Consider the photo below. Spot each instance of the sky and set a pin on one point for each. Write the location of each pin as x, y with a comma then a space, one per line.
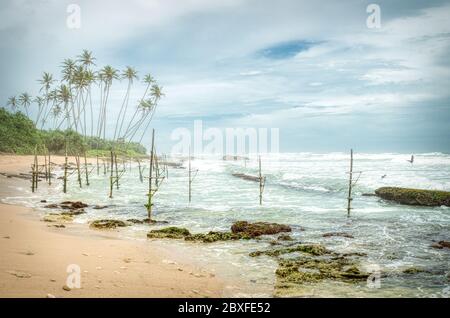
313, 69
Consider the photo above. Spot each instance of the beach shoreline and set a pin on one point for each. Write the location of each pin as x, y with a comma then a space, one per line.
36, 256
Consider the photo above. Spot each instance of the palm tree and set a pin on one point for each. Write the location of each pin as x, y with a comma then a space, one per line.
86, 59
40, 101
25, 101
12, 101
130, 74
68, 66
64, 97
46, 81
107, 75
149, 80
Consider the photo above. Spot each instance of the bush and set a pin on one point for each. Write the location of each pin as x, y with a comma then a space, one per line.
19, 135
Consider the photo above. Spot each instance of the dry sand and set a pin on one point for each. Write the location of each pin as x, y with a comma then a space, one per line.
34, 257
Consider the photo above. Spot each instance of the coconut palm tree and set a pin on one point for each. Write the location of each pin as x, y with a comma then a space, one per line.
46, 81
149, 80
68, 68
12, 101
86, 59
130, 74
25, 101
107, 74
64, 97
40, 101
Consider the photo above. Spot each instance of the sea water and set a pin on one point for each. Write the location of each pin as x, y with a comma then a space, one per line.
305, 190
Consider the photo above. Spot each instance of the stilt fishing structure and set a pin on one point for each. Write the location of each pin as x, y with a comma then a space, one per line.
191, 176
349, 198
155, 178
262, 181
351, 183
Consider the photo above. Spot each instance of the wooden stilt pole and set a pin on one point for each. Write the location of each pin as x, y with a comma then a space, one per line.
49, 168
140, 171
86, 168
261, 182
36, 169
98, 167
349, 199
111, 177
77, 159
65, 170
117, 171
150, 192
45, 165
190, 178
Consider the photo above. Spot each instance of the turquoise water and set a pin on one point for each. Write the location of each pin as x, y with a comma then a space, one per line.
307, 191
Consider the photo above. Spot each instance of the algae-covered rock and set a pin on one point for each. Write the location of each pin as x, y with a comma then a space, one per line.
414, 196
413, 270
58, 218
107, 224
212, 236
259, 228
341, 234
312, 249
73, 205
146, 221
169, 232
441, 244
285, 237
309, 270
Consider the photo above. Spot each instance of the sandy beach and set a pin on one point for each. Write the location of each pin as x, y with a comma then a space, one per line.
35, 256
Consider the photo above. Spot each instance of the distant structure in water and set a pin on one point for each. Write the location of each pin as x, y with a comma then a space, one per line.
411, 161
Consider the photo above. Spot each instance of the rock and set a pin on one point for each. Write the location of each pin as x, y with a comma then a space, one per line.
342, 234
107, 224
57, 218
51, 206
285, 237
100, 207
259, 228
413, 270
441, 244
212, 236
369, 195
66, 288
146, 221
50, 296
43, 201
246, 177
169, 232
19, 274
414, 196
73, 212
312, 249
6, 237
73, 205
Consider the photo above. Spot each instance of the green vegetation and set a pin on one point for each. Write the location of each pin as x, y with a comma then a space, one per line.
414, 196
19, 135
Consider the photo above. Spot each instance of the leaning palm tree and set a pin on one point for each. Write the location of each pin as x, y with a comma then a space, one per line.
149, 80
130, 74
46, 81
25, 101
40, 101
12, 101
107, 75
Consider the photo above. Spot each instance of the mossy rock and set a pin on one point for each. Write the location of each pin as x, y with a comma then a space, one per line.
312, 249
107, 224
171, 232
413, 270
212, 236
259, 228
310, 270
59, 218
285, 237
414, 196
